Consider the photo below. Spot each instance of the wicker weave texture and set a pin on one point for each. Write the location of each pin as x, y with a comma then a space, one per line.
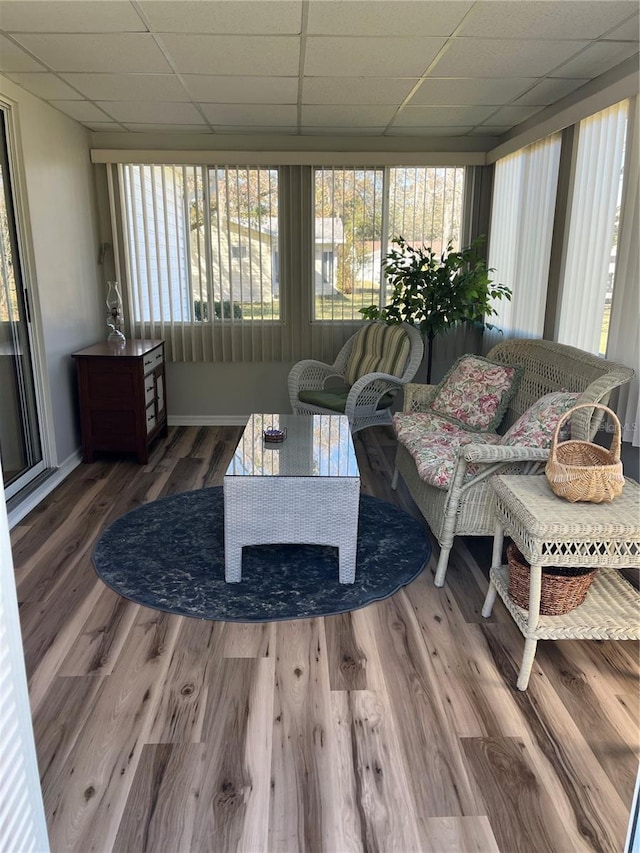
561, 591
609, 612
465, 508
314, 510
552, 532
582, 470
365, 394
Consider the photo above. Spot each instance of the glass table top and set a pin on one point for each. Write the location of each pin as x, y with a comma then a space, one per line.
315, 446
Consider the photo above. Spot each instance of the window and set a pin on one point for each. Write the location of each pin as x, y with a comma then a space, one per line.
358, 212
201, 243
589, 258
522, 216
207, 267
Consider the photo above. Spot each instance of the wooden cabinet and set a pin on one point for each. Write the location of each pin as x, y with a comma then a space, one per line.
123, 401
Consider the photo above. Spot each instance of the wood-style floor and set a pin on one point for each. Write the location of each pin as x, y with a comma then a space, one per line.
393, 728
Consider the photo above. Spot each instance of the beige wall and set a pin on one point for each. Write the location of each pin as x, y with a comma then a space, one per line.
53, 152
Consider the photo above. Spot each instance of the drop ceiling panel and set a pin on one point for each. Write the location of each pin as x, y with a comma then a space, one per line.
492, 90
152, 111
115, 52
369, 57
12, 58
427, 130
356, 90
627, 31
489, 130
543, 19
441, 116
81, 110
343, 116
61, 16
139, 127
105, 126
598, 58
341, 131
549, 90
511, 115
384, 17
245, 55
503, 57
255, 129
321, 67
45, 86
250, 114
130, 87
241, 89
221, 16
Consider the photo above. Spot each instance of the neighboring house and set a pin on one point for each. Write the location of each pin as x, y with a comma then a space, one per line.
329, 235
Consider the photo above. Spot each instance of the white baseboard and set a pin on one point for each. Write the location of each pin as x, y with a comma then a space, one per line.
207, 420
49, 482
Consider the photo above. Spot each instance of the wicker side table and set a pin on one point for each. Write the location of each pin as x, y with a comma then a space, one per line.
550, 531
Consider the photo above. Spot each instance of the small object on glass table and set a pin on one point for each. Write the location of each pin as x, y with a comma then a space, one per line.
273, 435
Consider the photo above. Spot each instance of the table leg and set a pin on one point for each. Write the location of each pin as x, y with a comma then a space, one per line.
232, 562
347, 563
496, 561
530, 645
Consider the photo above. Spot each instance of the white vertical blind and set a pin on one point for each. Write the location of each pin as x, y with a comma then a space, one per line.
596, 184
201, 258
624, 330
522, 214
22, 822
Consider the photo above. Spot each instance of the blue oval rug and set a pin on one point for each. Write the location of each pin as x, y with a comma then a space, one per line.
169, 555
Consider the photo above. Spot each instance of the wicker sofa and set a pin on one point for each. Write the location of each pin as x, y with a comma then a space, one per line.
463, 507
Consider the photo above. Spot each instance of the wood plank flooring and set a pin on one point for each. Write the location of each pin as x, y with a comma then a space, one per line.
391, 729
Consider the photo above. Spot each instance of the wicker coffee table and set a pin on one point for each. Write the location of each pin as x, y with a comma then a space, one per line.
550, 531
303, 490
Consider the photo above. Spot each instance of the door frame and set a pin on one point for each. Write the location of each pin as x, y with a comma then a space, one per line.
26, 263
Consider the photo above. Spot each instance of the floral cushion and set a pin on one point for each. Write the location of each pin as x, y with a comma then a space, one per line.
433, 443
476, 392
536, 426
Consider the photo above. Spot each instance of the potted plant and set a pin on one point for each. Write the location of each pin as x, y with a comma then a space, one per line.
438, 292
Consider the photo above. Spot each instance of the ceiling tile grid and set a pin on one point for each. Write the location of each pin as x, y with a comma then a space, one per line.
311, 67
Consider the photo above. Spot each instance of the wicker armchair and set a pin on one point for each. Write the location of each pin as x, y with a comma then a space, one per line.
464, 508
361, 383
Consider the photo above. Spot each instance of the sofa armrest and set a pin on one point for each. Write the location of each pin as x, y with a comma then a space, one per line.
492, 453
417, 397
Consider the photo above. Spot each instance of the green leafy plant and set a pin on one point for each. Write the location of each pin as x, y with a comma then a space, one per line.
435, 292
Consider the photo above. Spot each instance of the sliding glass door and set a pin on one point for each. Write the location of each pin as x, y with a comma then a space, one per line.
20, 442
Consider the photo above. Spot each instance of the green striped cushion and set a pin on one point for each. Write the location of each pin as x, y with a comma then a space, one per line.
378, 348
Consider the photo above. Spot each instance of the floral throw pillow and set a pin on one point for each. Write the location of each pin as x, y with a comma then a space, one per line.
536, 426
476, 392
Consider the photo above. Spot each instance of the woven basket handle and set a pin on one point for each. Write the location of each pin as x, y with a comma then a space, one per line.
615, 441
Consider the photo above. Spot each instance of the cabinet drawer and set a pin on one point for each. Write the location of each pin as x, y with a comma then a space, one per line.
153, 359
150, 415
149, 389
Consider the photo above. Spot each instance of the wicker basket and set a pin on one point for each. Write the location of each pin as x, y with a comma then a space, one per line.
562, 589
582, 470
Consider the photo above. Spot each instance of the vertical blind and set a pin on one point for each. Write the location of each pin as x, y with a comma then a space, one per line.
522, 216
259, 264
624, 330
592, 226
201, 257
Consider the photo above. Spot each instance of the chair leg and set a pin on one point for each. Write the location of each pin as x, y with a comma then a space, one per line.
443, 563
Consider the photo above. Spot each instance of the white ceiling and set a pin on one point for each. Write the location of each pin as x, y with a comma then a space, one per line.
308, 67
